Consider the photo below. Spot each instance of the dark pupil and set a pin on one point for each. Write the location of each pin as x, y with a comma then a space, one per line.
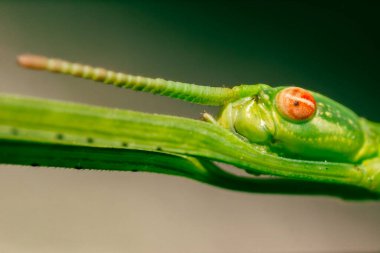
296, 103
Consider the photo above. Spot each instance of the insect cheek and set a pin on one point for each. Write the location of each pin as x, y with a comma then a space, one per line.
296, 104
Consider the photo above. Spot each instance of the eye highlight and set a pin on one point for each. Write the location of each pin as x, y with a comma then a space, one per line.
296, 103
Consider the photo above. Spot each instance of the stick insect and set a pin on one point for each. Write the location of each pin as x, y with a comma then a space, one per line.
308, 143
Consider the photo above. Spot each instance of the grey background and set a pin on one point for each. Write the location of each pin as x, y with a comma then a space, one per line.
328, 47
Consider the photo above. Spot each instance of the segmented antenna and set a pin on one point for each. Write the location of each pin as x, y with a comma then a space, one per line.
205, 95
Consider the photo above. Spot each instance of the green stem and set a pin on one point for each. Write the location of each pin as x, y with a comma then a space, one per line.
78, 157
51, 122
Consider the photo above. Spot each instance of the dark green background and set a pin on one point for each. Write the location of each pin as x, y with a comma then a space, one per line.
328, 46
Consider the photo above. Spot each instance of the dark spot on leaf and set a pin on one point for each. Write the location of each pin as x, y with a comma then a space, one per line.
14, 131
90, 140
124, 144
159, 149
59, 136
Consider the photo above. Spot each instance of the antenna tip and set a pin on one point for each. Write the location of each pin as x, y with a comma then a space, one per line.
32, 61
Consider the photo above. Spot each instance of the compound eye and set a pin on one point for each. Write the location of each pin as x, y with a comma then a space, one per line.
296, 103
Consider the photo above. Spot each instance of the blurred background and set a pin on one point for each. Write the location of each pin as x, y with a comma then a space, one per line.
328, 46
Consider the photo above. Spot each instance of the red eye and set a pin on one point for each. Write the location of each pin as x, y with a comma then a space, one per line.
296, 103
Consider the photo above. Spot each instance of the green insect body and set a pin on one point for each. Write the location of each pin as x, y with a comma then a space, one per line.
334, 133
283, 131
